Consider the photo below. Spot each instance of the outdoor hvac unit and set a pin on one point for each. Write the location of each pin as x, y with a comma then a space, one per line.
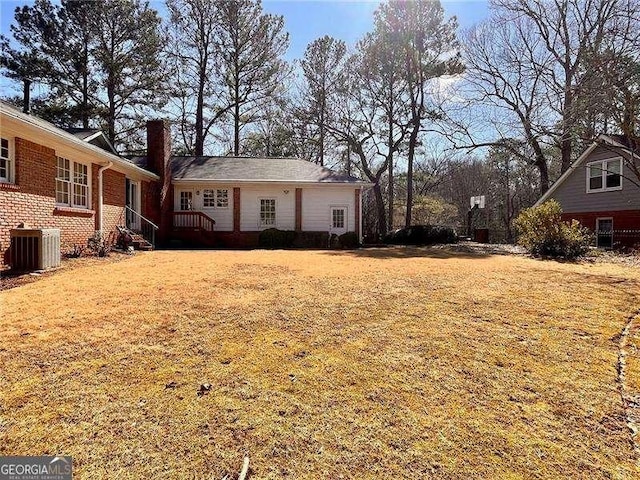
35, 249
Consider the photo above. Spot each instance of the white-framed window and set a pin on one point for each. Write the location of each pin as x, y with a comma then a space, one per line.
72, 183
186, 200
604, 175
6, 160
267, 212
215, 198
222, 198
208, 198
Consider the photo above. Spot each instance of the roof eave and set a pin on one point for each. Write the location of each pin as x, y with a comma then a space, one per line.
274, 181
73, 140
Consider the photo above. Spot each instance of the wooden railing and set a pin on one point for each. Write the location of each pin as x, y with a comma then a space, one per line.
193, 220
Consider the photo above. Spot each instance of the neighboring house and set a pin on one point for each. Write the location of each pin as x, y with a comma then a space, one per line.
244, 196
602, 192
74, 181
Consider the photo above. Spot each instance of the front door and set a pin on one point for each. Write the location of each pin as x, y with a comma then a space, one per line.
339, 220
604, 233
133, 202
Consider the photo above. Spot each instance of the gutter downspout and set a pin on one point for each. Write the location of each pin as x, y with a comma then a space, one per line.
360, 216
101, 194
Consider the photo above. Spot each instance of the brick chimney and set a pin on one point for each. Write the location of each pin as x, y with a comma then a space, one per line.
159, 162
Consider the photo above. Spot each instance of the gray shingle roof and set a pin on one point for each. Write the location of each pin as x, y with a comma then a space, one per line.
246, 169
82, 133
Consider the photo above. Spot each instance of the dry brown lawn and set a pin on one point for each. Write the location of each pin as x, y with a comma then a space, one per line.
398, 363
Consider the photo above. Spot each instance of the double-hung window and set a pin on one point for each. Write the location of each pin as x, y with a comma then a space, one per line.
72, 183
605, 175
5, 161
267, 212
216, 198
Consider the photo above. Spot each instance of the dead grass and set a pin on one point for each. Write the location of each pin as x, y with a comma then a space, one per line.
391, 363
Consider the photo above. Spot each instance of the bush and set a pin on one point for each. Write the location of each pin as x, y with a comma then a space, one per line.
421, 235
542, 232
311, 240
349, 240
274, 238
99, 245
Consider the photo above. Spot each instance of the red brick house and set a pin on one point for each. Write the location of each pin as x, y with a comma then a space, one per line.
74, 181
52, 178
602, 191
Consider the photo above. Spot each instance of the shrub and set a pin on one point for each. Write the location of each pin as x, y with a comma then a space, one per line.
311, 240
75, 252
349, 240
421, 235
542, 232
274, 238
99, 245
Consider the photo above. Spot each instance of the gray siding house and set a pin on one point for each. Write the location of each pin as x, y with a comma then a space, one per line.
602, 192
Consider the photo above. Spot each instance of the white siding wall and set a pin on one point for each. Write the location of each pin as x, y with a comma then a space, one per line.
222, 216
317, 203
250, 196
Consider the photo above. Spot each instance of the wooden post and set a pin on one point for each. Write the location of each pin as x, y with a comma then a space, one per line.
298, 209
236, 209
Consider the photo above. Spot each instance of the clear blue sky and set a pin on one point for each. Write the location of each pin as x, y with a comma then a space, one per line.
307, 20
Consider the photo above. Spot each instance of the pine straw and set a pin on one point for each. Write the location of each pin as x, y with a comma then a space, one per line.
391, 363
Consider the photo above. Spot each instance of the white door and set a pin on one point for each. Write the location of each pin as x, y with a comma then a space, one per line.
133, 202
339, 220
604, 232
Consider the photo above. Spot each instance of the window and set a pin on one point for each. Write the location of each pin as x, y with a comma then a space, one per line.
604, 176
209, 198
72, 183
222, 198
80, 185
5, 160
267, 212
337, 218
186, 200
216, 198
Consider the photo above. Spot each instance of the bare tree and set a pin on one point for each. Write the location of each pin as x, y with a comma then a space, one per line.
193, 51
323, 71
427, 44
372, 118
250, 45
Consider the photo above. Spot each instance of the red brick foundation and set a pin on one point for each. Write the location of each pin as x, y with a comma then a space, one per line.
623, 220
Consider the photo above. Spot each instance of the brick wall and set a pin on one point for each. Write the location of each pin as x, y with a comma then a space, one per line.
32, 199
622, 220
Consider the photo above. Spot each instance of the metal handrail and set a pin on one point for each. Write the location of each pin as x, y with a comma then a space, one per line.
149, 234
142, 218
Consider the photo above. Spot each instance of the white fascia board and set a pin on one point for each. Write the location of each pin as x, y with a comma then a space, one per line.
270, 182
40, 125
566, 174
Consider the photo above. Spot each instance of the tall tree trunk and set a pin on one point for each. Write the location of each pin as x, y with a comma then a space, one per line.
199, 143
541, 164
382, 219
236, 107
322, 117
413, 140
390, 156
85, 86
567, 123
